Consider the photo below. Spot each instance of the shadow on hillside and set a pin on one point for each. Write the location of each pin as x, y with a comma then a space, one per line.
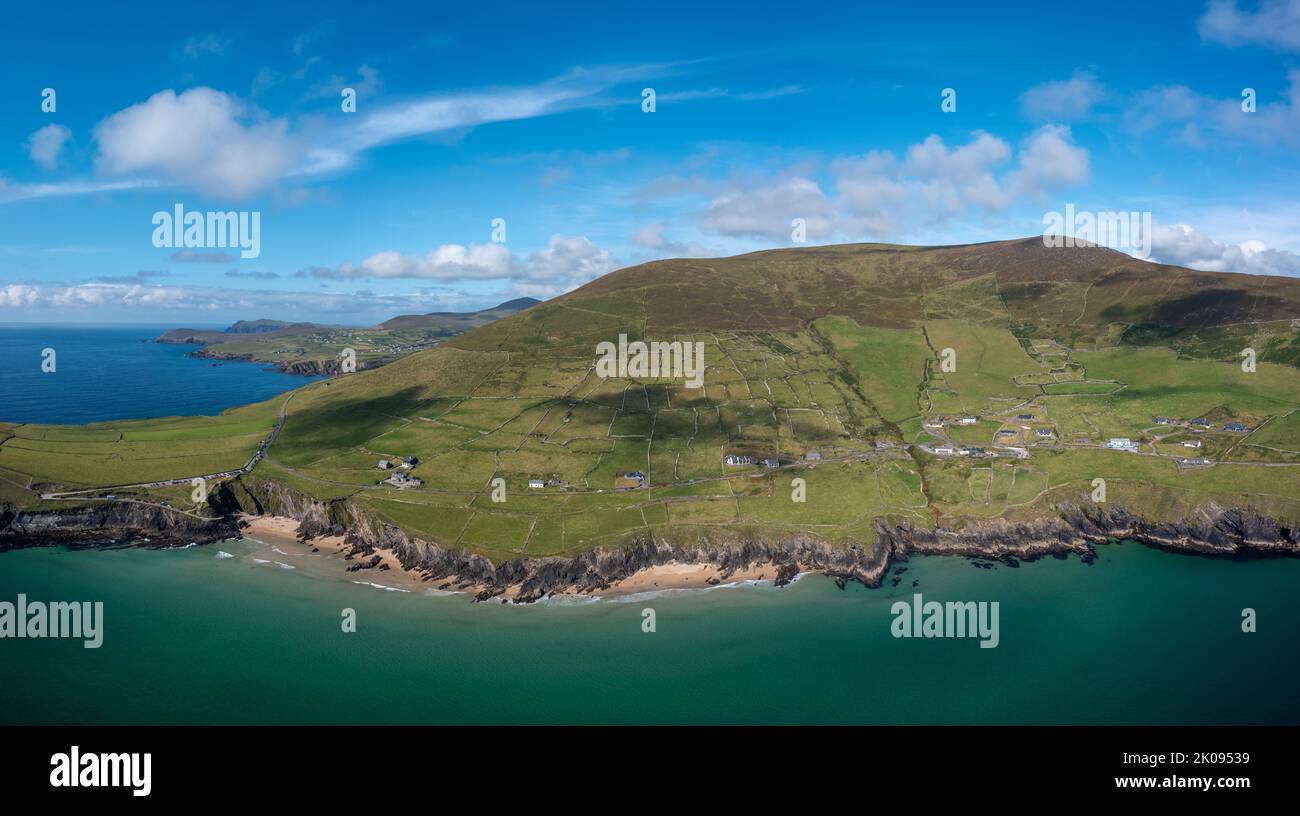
344, 422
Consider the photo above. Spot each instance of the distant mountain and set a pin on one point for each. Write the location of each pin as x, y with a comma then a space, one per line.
260, 326
461, 321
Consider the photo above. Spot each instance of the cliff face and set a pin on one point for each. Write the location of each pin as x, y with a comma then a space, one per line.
163, 527
1219, 531
310, 368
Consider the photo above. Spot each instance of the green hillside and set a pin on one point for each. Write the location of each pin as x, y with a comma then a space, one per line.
828, 359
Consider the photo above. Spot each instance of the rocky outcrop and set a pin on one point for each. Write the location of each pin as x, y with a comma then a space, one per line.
308, 368
134, 522
1216, 531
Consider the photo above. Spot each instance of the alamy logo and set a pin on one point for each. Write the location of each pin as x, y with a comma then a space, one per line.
1127, 231
675, 360
210, 230
90, 770
954, 619
60, 619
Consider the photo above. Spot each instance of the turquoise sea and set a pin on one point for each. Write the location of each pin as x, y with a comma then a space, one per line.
194, 636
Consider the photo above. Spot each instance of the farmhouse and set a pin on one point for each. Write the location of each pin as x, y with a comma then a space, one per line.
1045, 433
536, 484
1236, 427
410, 461
945, 450
630, 479
812, 456
403, 480
1192, 443
737, 459
1200, 423
967, 420
771, 463
1025, 417
1162, 420
1121, 443
384, 464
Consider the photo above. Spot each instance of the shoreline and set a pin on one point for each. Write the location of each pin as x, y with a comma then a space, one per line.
671, 577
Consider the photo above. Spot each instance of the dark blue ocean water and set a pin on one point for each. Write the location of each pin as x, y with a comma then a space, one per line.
118, 372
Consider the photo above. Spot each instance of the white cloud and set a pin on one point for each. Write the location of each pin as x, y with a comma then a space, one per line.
563, 263
1187, 117
201, 138
1183, 245
567, 261
46, 145
18, 295
766, 211
1063, 100
880, 195
1274, 24
449, 261
1049, 160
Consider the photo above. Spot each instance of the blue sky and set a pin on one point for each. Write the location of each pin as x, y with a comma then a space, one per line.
471, 112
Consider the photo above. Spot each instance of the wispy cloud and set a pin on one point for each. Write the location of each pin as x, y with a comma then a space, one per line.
19, 192
1273, 24
440, 113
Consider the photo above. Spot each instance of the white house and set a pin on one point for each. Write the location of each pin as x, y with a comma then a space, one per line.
536, 484
1121, 443
1192, 443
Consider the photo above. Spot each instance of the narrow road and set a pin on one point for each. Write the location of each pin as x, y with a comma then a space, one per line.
71, 495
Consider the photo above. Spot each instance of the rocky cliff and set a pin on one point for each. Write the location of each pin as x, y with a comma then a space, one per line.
311, 368
135, 522
1217, 531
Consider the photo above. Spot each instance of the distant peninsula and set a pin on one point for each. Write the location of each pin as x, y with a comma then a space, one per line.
314, 349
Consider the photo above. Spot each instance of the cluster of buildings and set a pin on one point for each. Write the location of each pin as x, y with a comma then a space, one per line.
554, 481
1201, 424
937, 423
964, 450
401, 479
740, 459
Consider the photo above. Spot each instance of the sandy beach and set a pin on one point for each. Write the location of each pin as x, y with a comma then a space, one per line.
282, 532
